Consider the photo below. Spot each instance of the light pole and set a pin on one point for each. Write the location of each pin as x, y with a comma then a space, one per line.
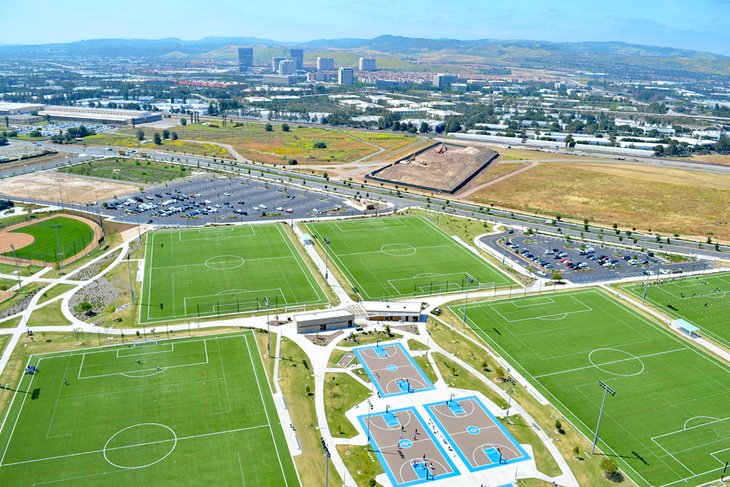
58, 243
17, 267
509, 397
606, 389
469, 280
131, 286
326, 463
326, 257
370, 407
268, 327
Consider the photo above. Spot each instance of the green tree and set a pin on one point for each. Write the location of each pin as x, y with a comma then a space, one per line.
284, 127
424, 128
659, 150
165, 134
140, 134
84, 307
173, 136
268, 127
3, 140
183, 121
723, 145
157, 139
320, 145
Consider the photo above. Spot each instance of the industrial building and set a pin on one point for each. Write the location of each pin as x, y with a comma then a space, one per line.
245, 59
393, 311
324, 321
287, 66
325, 64
297, 54
99, 115
443, 81
345, 76
368, 64
10, 108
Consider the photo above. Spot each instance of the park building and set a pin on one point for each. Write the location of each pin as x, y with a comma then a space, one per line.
324, 321
368, 64
407, 311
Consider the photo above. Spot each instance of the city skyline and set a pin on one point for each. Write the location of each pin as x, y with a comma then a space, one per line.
702, 25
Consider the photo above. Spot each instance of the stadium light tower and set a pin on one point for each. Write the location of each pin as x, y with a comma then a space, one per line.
469, 280
58, 243
17, 267
326, 463
268, 327
326, 256
606, 389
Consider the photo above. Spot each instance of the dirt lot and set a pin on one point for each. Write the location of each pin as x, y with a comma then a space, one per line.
75, 189
442, 167
660, 199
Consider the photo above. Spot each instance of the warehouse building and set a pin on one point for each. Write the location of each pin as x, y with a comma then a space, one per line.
99, 115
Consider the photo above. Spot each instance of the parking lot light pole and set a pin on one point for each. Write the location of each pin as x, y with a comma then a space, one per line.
606, 389
469, 280
326, 257
268, 327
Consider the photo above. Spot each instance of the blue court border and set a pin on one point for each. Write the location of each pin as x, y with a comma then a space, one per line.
363, 423
429, 384
448, 436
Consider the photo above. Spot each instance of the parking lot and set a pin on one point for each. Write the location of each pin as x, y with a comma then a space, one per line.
212, 198
583, 263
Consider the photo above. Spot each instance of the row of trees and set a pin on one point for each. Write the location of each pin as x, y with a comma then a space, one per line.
156, 137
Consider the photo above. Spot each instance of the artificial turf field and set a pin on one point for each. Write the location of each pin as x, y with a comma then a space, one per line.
205, 417
702, 300
224, 270
669, 422
398, 257
74, 236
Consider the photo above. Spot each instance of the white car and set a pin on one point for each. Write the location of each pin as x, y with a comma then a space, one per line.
279, 208
226, 193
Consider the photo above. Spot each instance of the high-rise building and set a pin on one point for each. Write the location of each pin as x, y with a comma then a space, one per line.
325, 64
245, 59
287, 66
275, 63
443, 81
345, 76
297, 54
367, 64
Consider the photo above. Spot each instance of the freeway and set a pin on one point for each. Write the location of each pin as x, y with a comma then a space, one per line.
404, 199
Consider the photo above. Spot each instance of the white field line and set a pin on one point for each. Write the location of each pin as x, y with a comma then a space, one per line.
609, 363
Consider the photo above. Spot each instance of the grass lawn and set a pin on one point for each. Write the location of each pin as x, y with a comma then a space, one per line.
664, 425
457, 376
222, 271
178, 146
252, 141
24, 270
55, 291
4, 340
361, 463
524, 434
410, 257
704, 301
129, 170
341, 393
73, 237
148, 435
425, 364
665, 200
48, 315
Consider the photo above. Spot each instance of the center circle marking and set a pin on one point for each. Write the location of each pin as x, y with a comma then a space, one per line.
133, 467
391, 368
616, 357
473, 430
405, 443
398, 250
224, 262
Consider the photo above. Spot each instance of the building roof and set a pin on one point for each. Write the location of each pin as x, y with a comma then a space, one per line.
686, 325
328, 314
391, 307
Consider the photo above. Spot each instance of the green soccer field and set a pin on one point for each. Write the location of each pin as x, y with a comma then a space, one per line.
702, 300
401, 257
224, 270
73, 236
180, 412
669, 422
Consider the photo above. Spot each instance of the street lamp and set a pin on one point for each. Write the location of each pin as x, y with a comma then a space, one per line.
606, 389
326, 463
131, 285
58, 243
509, 398
469, 280
17, 267
370, 407
326, 256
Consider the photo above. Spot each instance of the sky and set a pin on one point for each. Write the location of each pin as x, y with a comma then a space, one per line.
691, 24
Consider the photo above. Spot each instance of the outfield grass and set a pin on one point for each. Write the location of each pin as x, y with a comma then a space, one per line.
703, 301
191, 411
222, 271
667, 424
129, 170
399, 257
73, 237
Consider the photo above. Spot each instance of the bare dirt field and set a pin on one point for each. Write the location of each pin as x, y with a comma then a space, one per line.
443, 167
70, 188
723, 159
14, 241
666, 200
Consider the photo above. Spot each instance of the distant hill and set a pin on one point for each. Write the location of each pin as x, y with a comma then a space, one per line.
409, 53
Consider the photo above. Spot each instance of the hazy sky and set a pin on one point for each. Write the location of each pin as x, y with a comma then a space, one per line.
695, 24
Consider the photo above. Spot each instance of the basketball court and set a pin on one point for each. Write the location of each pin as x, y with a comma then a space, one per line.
392, 370
475, 434
406, 447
